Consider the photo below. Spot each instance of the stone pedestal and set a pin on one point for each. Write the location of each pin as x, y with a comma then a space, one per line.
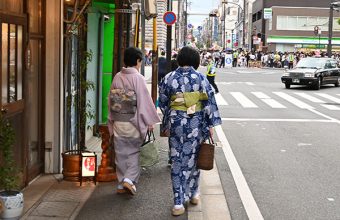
106, 172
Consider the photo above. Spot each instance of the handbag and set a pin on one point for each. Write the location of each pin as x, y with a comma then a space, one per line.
162, 132
149, 151
205, 160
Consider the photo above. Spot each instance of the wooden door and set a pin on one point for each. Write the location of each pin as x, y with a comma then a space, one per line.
12, 102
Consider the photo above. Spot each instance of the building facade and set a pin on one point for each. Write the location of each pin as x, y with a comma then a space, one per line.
292, 24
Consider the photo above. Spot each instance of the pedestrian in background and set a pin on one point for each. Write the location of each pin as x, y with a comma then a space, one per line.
131, 114
211, 73
162, 66
189, 113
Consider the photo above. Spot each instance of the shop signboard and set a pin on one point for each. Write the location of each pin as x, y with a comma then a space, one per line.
268, 13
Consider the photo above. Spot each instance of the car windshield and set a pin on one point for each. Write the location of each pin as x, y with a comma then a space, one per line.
311, 63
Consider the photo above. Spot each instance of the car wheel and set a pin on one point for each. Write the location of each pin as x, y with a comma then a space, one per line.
287, 85
337, 84
317, 85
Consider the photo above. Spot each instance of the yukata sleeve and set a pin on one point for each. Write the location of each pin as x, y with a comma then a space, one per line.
109, 118
164, 103
212, 114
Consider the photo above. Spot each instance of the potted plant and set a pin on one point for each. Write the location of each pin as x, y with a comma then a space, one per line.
11, 200
79, 109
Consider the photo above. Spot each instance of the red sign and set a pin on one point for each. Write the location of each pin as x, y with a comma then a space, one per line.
169, 18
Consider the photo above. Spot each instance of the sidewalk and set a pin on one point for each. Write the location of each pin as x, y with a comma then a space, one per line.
49, 197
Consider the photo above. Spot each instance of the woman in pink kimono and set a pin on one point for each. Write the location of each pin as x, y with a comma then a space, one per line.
132, 114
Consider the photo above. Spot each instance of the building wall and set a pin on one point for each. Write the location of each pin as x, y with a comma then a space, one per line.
297, 3
52, 84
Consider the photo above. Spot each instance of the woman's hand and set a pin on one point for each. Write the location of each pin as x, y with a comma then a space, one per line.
211, 130
150, 128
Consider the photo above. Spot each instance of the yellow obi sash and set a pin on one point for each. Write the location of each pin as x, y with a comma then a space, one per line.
188, 101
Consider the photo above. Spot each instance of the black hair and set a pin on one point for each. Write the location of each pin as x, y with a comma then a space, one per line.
163, 53
188, 56
131, 56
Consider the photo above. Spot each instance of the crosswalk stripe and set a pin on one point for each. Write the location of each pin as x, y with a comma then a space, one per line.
309, 97
250, 84
331, 107
220, 100
269, 101
243, 100
293, 100
261, 95
329, 97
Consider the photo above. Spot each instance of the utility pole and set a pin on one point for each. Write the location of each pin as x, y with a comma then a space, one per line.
186, 23
330, 30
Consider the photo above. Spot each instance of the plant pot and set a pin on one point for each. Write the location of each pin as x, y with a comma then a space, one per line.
13, 204
71, 165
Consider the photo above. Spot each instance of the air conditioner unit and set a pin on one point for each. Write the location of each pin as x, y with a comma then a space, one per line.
150, 9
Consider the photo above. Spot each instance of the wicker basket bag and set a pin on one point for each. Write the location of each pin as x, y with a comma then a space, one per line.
205, 160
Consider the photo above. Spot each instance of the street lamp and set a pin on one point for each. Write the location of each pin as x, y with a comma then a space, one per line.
330, 26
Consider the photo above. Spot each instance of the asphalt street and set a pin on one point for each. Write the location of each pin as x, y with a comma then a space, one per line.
280, 151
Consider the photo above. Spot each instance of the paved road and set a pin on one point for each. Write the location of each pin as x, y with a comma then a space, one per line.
281, 147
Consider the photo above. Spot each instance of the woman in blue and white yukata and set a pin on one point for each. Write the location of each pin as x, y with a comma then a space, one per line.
189, 112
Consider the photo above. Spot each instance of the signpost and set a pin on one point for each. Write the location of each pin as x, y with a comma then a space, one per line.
229, 60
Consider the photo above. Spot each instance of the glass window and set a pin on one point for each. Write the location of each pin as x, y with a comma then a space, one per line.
281, 23
292, 23
19, 63
12, 63
4, 63
302, 23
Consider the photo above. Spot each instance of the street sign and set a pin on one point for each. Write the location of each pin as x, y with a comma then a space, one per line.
190, 26
268, 13
169, 18
200, 28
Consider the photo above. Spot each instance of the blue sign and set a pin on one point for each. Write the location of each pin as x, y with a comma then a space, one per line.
200, 28
169, 18
190, 26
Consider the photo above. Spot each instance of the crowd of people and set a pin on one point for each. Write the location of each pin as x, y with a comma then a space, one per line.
260, 59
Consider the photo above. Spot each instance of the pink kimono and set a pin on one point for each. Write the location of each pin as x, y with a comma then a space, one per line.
129, 131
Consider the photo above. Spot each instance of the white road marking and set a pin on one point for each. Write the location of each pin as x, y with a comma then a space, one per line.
261, 95
269, 101
220, 100
243, 100
329, 97
330, 120
304, 144
309, 97
246, 195
293, 100
229, 83
331, 199
325, 116
331, 107
283, 151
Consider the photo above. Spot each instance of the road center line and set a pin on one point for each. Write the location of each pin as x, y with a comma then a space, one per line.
246, 196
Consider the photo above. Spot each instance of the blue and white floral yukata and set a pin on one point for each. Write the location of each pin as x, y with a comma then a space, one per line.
187, 131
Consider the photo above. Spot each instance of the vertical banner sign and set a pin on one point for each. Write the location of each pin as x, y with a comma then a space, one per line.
268, 13
228, 60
